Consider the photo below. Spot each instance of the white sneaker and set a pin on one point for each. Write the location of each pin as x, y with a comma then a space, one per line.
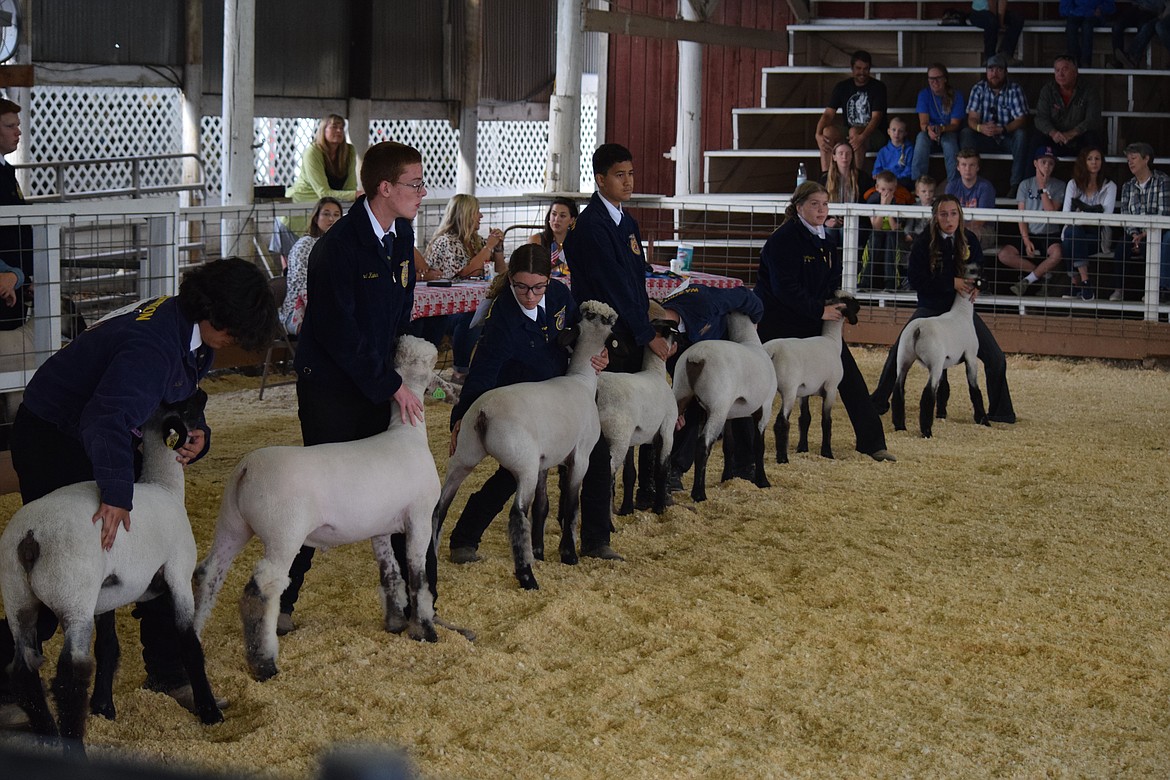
1116, 295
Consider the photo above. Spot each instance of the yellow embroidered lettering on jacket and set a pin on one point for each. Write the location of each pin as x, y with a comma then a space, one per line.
149, 309
370, 275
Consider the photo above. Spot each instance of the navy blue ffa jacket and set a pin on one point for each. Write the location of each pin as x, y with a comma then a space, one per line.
15, 248
360, 300
513, 348
110, 379
608, 265
936, 289
704, 309
797, 274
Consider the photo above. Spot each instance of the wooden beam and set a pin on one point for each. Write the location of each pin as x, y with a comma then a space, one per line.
16, 76
641, 25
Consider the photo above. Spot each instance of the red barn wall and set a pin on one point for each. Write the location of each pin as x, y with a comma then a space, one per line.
642, 89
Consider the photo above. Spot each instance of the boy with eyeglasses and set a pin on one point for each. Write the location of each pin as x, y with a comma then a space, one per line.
361, 283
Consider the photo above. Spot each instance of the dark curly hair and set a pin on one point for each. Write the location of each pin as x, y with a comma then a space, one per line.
233, 295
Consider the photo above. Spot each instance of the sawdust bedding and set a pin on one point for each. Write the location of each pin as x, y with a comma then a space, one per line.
996, 603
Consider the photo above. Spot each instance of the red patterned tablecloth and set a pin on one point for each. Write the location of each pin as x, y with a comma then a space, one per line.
465, 296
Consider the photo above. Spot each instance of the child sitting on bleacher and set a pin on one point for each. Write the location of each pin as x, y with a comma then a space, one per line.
880, 272
896, 156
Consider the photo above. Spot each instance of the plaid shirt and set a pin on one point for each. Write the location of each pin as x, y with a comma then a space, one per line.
1154, 199
1002, 107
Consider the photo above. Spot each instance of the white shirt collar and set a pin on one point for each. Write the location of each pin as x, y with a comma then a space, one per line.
817, 230
615, 212
196, 337
529, 313
948, 235
378, 231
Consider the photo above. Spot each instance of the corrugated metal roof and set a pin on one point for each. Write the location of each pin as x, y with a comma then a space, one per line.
109, 32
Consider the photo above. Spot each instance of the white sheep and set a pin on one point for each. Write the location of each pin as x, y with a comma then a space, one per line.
323, 496
938, 343
638, 409
722, 380
529, 428
51, 555
805, 366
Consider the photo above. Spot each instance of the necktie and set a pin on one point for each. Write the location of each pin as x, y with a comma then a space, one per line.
388, 244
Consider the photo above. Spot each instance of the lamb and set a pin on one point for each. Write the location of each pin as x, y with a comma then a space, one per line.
719, 380
810, 365
51, 556
938, 343
638, 409
323, 496
525, 427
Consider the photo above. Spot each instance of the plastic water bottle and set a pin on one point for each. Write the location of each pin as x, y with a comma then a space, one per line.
489, 269
801, 175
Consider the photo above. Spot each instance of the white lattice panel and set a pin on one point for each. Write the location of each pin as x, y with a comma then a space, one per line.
588, 138
510, 156
78, 123
435, 138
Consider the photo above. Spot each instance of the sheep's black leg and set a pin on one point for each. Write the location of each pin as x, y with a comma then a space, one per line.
565, 506
195, 665
976, 394
25, 677
660, 467
575, 468
926, 410
71, 693
539, 514
259, 645
942, 396
106, 653
520, 535
898, 403
805, 422
702, 453
781, 430
826, 428
761, 479
629, 476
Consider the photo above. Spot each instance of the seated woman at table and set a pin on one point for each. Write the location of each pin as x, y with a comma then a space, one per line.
528, 312
292, 311
561, 215
458, 252
328, 170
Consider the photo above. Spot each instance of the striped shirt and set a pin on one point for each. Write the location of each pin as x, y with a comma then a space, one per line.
1152, 198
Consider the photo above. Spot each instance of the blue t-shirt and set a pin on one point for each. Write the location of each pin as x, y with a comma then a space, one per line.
932, 105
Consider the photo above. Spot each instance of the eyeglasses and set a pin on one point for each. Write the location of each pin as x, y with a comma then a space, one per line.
525, 289
416, 187
936, 78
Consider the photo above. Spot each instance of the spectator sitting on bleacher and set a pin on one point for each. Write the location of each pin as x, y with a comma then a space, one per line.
941, 109
924, 190
972, 190
1089, 191
1001, 20
1150, 17
997, 112
845, 184
862, 100
897, 156
881, 272
1148, 192
1068, 113
1041, 192
1081, 16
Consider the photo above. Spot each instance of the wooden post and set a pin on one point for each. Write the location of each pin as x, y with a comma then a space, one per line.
193, 99
22, 96
562, 172
688, 135
469, 103
239, 86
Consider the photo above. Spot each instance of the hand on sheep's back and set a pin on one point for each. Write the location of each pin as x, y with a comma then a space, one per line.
111, 517
408, 403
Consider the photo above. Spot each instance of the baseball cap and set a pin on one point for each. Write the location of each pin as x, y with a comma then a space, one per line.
996, 61
1044, 151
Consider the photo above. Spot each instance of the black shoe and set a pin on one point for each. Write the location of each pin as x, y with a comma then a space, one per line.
284, 624
461, 555
674, 481
1008, 419
602, 551
186, 698
880, 455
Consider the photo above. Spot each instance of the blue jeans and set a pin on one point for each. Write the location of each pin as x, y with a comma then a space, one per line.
1131, 264
1078, 33
1080, 244
989, 22
923, 146
1014, 143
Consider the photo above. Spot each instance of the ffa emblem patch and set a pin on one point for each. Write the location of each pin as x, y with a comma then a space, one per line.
635, 247
559, 319
404, 272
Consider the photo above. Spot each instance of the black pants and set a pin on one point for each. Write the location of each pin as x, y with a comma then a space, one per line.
46, 459
330, 415
999, 398
482, 508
